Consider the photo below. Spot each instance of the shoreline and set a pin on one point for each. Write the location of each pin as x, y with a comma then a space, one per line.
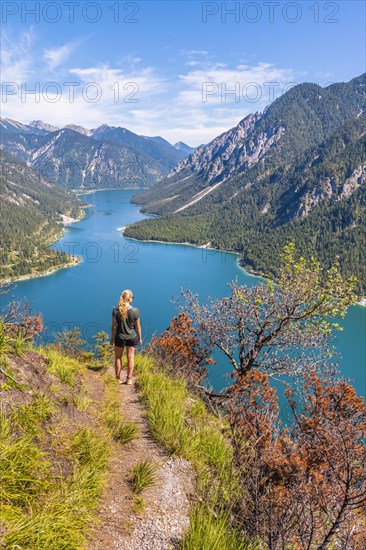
67, 221
201, 246
50, 271
90, 191
250, 273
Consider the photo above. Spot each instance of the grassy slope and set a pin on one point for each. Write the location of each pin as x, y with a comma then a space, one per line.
55, 445
59, 422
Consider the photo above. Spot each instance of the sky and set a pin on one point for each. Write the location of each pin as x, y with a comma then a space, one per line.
184, 70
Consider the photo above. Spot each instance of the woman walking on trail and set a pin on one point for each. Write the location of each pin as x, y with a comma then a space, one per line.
126, 333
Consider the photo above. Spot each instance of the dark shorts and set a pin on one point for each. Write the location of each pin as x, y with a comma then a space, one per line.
122, 342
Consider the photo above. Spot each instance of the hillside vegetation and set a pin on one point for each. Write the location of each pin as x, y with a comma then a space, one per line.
62, 431
31, 209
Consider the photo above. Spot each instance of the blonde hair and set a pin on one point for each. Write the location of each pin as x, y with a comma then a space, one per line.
122, 304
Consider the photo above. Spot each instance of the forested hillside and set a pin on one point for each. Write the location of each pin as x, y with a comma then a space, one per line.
31, 209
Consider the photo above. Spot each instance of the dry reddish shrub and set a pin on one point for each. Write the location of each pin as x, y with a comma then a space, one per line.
303, 486
18, 318
180, 347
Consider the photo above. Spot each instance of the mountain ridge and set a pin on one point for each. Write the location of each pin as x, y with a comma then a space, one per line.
106, 156
276, 176
299, 119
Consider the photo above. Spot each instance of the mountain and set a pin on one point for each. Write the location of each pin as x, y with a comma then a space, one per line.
298, 120
157, 148
78, 158
39, 125
160, 140
79, 129
181, 146
17, 138
7, 125
70, 158
32, 211
294, 172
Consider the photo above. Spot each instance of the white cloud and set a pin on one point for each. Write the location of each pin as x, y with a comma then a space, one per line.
144, 81
186, 116
140, 98
243, 85
58, 56
16, 58
133, 59
191, 53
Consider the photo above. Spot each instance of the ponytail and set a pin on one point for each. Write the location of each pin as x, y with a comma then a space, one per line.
122, 304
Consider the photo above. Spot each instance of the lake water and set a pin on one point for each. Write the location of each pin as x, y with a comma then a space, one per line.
84, 295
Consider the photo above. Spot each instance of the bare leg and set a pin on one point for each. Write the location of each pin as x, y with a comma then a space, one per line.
130, 362
118, 352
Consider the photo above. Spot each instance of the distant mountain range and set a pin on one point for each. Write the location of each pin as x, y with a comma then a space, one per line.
297, 171
78, 158
105, 129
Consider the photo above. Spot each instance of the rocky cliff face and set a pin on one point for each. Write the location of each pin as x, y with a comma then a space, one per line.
231, 153
80, 129
351, 184
333, 188
226, 157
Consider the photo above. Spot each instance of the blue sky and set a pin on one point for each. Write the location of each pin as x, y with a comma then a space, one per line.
183, 70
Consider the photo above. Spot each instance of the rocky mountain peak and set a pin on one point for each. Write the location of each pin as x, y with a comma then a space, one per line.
79, 129
231, 152
40, 125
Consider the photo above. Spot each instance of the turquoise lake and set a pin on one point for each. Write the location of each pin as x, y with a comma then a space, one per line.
84, 295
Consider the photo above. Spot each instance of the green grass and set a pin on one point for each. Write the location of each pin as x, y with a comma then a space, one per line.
143, 475
125, 433
59, 519
10, 380
182, 425
46, 504
65, 368
210, 531
45, 513
111, 414
82, 402
88, 448
28, 417
5, 343
19, 345
24, 467
166, 412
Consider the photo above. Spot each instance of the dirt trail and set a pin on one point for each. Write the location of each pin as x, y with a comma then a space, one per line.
166, 515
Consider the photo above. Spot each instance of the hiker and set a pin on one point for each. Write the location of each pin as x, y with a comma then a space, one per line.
126, 333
